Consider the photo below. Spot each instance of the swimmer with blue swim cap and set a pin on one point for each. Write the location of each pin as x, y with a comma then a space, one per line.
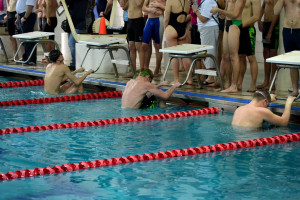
140, 93
58, 73
256, 112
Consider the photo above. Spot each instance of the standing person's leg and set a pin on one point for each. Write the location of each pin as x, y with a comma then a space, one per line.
273, 52
243, 69
12, 30
28, 26
159, 32
72, 45
171, 40
233, 34
139, 30
209, 36
186, 64
146, 45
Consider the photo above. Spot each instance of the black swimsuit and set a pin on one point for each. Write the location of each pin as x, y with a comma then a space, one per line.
179, 27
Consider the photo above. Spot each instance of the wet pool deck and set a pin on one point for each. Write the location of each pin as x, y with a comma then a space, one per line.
187, 94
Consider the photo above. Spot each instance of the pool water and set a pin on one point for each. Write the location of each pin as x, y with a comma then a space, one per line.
253, 173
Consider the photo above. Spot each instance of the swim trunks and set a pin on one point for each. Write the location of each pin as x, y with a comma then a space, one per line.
150, 102
154, 29
135, 28
247, 41
274, 37
50, 28
11, 26
238, 23
291, 39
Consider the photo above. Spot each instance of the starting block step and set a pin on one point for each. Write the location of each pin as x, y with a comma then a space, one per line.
206, 72
120, 62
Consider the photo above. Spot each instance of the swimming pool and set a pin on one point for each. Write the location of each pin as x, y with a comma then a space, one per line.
259, 172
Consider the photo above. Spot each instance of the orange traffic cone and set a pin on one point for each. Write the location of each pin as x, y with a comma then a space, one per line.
102, 27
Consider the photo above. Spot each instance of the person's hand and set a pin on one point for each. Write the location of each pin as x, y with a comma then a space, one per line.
49, 21
164, 83
82, 69
273, 97
176, 85
91, 71
268, 37
195, 8
23, 20
214, 10
290, 99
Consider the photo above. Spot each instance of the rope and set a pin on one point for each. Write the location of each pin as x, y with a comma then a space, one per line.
78, 97
22, 83
149, 156
110, 121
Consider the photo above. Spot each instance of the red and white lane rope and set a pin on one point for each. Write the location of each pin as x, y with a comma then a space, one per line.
78, 97
22, 83
110, 121
149, 156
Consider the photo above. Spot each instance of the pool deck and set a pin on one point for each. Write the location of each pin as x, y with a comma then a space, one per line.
188, 94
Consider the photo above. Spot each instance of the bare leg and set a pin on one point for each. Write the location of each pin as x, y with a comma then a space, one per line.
132, 51
267, 69
171, 40
187, 64
159, 56
233, 34
273, 52
139, 48
13, 42
147, 56
254, 72
243, 70
295, 82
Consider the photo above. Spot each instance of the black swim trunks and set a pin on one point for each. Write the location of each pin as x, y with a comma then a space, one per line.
291, 39
247, 41
150, 102
274, 37
51, 27
135, 29
11, 26
238, 23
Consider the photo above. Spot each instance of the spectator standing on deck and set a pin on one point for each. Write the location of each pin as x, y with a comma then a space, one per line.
290, 33
26, 19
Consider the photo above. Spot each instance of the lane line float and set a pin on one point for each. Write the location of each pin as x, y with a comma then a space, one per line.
22, 83
149, 156
78, 97
110, 121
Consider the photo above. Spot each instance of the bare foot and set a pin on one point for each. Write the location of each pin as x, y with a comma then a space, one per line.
218, 89
294, 94
262, 86
239, 87
174, 82
158, 75
128, 76
252, 89
231, 89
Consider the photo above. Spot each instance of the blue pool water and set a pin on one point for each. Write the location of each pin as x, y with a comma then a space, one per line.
270, 172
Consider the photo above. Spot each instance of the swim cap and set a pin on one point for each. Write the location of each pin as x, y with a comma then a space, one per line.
144, 73
54, 55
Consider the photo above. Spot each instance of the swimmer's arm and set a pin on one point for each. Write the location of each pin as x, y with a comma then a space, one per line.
81, 69
108, 7
262, 12
76, 81
280, 120
146, 7
233, 14
161, 94
256, 8
139, 2
167, 14
165, 83
278, 7
161, 5
200, 17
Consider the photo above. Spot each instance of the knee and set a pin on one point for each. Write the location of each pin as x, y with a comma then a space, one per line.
132, 48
